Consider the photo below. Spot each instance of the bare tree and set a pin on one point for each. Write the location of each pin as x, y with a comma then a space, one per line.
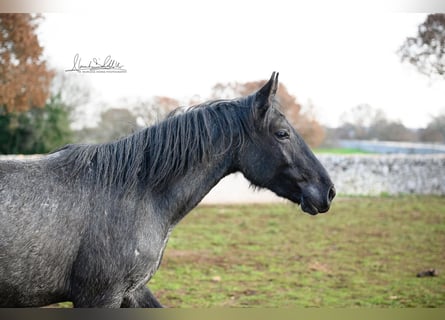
366, 122
357, 121
74, 91
435, 130
426, 50
125, 117
114, 123
150, 111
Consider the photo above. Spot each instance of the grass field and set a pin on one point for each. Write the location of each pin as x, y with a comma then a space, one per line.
365, 252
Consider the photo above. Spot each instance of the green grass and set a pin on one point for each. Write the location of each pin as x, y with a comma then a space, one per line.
365, 252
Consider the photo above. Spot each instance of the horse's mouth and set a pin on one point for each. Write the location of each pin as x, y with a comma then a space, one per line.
310, 208
314, 202
307, 204
304, 203
307, 207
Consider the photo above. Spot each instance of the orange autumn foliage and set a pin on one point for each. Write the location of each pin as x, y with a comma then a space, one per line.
24, 76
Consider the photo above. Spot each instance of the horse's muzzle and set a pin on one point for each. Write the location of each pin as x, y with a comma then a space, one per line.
313, 202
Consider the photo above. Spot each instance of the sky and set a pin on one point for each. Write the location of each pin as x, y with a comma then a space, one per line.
333, 60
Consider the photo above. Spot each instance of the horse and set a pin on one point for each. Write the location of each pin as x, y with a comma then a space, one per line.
89, 223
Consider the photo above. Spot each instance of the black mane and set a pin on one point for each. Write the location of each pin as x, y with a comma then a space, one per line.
157, 154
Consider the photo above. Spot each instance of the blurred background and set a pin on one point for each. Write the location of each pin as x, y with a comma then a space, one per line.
344, 76
365, 88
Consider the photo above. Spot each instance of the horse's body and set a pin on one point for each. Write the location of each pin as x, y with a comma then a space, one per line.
89, 223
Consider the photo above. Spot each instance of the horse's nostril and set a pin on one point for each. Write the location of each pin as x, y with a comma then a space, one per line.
331, 193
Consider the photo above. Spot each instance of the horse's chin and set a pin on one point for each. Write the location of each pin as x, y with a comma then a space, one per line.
308, 207
305, 205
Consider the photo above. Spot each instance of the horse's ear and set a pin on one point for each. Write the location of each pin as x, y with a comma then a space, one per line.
264, 96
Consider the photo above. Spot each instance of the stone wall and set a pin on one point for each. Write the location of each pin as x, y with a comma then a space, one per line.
351, 174
386, 174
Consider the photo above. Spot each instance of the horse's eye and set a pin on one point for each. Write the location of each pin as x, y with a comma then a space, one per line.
282, 134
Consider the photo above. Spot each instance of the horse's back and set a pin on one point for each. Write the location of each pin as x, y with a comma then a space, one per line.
39, 234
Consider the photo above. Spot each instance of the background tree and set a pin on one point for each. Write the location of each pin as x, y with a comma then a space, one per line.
38, 130
32, 120
114, 123
356, 121
389, 130
305, 122
426, 50
24, 76
364, 122
75, 91
126, 117
435, 130
150, 111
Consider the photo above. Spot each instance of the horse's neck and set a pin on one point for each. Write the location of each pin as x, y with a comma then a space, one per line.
187, 191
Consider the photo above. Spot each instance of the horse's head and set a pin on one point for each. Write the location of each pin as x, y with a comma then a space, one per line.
277, 158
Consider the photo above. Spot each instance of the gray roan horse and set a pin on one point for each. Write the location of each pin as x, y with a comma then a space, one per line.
89, 223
